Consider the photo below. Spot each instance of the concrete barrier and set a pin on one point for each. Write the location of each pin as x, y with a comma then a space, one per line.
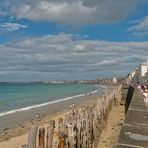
134, 133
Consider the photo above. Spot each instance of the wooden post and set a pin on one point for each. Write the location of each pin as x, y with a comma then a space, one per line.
41, 137
50, 132
61, 133
89, 130
32, 137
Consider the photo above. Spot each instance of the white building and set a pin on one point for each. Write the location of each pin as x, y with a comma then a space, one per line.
128, 79
143, 72
133, 73
144, 80
143, 69
139, 75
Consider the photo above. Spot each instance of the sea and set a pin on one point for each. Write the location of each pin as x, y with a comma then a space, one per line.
15, 97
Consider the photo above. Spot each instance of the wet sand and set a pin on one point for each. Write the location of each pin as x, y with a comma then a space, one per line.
108, 137
17, 124
19, 135
14, 135
12, 120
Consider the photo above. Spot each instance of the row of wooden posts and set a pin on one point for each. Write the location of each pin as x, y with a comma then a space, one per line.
80, 128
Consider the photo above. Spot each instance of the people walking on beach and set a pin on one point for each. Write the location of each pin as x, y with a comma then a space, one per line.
140, 88
144, 91
145, 96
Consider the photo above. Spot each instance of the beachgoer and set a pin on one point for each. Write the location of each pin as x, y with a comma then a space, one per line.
73, 105
37, 115
139, 87
142, 89
145, 96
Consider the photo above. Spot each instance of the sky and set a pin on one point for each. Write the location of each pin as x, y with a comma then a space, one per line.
71, 39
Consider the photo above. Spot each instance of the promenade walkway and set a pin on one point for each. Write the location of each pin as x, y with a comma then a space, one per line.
134, 133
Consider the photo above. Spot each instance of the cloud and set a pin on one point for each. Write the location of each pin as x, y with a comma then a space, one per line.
11, 26
72, 12
62, 56
108, 62
140, 28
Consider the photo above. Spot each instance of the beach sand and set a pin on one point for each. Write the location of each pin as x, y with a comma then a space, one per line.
115, 121
111, 132
107, 140
16, 136
19, 137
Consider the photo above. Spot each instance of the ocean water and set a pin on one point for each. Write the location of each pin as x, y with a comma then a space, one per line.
17, 97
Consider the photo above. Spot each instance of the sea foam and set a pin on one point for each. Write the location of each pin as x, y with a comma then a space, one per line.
43, 104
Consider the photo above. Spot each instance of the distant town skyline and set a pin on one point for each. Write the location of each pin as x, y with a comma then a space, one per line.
71, 39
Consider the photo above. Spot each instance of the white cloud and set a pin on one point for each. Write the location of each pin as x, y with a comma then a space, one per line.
140, 27
64, 57
108, 62
12, 26
73, 12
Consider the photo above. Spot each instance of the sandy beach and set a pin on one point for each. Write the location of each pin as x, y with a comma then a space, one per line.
111, 132
17, 125
108, 137
19, 136
115, 121
18, 118
15, 134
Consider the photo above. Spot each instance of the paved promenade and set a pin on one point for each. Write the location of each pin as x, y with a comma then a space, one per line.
134, 133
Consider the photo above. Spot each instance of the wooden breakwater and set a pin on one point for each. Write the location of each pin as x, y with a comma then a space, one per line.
80, 128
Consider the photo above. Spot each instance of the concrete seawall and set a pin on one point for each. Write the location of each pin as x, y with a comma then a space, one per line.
134, 133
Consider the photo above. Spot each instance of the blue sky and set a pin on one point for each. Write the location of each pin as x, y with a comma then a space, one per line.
66, 39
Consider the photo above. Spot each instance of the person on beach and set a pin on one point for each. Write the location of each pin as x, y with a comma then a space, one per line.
37, 117
145, 96
144, 92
